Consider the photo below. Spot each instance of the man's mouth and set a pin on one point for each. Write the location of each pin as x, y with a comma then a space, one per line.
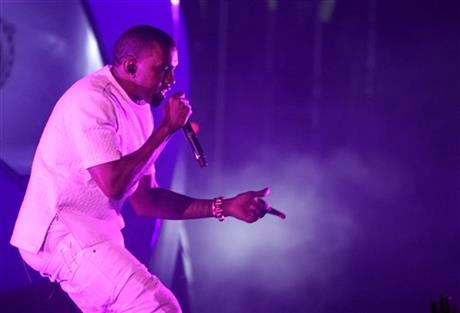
159, 96
164, 91
165, 88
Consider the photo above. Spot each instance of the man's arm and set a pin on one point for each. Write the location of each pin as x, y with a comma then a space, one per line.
116, 177
162, 203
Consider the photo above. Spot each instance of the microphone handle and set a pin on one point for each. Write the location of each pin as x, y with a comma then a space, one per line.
194, 144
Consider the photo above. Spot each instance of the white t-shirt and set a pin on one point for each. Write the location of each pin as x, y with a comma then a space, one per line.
94, 122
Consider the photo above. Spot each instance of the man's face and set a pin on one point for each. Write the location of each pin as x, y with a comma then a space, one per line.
155, 73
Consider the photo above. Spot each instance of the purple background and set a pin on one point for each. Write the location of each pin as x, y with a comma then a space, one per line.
352, 118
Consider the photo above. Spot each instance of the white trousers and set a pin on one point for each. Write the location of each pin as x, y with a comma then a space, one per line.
105, 277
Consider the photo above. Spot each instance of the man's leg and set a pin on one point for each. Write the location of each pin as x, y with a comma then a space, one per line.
109, 276
104, 278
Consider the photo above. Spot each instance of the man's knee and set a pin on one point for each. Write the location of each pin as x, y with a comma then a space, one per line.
144, 292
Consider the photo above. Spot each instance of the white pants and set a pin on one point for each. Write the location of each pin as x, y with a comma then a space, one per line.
105, 277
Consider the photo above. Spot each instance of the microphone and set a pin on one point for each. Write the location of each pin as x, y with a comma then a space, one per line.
194, 144
188, 131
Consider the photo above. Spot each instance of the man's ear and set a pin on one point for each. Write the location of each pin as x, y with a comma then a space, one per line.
131, 68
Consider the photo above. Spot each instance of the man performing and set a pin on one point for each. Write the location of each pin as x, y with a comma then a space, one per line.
97, 150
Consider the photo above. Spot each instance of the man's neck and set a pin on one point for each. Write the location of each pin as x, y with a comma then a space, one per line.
125, 84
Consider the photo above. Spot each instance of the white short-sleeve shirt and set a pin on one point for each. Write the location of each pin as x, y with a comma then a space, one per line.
94, 122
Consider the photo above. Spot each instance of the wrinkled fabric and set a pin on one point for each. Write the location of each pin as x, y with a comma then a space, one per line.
105, 277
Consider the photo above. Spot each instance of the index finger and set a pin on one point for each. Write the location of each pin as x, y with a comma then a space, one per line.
275, 212
270, 210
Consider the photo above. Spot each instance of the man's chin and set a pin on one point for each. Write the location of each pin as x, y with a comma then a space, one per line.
157, 99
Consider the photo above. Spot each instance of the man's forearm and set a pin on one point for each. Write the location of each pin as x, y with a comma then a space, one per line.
132, 167
166, 204
116, 177
162, 203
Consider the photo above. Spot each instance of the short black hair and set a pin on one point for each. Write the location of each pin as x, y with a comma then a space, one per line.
134, 40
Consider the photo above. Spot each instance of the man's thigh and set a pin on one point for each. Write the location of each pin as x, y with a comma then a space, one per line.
107, 277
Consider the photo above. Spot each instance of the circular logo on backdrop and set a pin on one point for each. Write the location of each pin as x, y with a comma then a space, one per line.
6, 50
